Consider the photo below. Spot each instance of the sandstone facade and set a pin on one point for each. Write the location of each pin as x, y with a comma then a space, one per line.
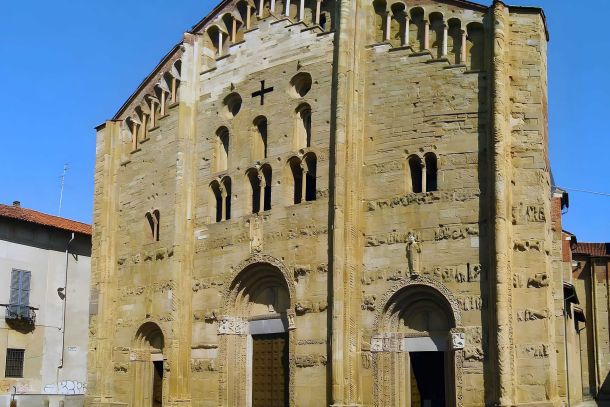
364, 184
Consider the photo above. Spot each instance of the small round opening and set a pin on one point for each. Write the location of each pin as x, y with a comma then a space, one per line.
300, 84
232, 105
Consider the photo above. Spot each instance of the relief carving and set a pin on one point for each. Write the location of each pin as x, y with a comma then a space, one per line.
303, 361
232, 326
532, 315
532, 213
121, 368
473, 303
455, 232
311, 341
301, 271
203, 365
527, 245
306, 307
534, 351
538, 281
368, 303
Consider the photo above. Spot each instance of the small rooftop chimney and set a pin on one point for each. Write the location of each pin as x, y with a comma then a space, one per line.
17, 204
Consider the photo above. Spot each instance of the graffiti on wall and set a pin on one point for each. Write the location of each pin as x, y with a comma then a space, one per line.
66, 387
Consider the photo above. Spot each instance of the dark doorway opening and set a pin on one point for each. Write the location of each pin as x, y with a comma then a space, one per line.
270, 370
428, 379
158, 383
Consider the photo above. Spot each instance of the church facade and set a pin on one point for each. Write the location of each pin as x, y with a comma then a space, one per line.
331, 203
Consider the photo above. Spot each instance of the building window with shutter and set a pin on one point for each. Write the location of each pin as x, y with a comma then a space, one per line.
14, 363
19, 306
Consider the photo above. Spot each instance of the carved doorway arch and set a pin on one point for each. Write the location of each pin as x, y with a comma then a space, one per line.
258, 305
418, 329
149, 376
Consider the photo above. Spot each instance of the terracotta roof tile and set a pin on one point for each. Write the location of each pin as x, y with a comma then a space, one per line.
29, 215
593, 249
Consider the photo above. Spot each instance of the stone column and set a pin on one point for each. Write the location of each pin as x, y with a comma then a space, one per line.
405, 34
445, 39
423, 176
318, 8
388, 26
287, 12
260, 8
174, 89
261, 192
303, 181
233, 30
426, 35
220, 43
134, 135
144, 126
272, 6
302, 10
223, 194
463, 48
248, 16
162, 104
153, 118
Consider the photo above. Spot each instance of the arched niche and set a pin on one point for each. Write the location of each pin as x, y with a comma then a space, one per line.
258, 305
417, 346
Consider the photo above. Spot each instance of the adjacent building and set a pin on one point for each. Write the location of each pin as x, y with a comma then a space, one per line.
44, 296
591, 270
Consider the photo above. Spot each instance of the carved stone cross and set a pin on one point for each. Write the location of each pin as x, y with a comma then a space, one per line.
262, 92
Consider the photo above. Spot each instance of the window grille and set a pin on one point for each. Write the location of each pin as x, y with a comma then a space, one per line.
14, 363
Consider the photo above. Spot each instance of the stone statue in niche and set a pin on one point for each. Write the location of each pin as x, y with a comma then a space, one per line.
256, 235
413, 255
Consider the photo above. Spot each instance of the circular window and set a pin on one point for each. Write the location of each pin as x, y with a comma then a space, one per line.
232, 105
300, 84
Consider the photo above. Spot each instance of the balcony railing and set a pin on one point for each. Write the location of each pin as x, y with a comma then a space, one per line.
20, 314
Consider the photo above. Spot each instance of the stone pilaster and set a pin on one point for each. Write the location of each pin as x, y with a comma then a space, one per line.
103, 263
501, 165
347, 246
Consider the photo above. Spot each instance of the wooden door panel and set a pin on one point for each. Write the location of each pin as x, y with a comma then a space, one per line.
270, 371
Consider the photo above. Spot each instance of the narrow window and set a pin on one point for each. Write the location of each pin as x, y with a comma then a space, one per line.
151, 224
14, 363
255, 185
475, 47
267, 178
415, 167
310, 177
157, 218
431, 172
19, 306
260, 138
297, 178
226, 183
218, 200
303, 127
222, 149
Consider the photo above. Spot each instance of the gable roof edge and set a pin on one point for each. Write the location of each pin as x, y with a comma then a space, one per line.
143, 84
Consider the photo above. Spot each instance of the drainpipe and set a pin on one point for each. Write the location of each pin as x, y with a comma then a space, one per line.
565, 343
63, 325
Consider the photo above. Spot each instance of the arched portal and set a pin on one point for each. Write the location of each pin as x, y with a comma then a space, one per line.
255, 337
417, 350
149, 376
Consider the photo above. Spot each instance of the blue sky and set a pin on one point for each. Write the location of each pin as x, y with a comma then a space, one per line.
69, 65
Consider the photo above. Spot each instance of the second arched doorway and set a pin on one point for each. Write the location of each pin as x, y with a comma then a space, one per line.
417, 350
